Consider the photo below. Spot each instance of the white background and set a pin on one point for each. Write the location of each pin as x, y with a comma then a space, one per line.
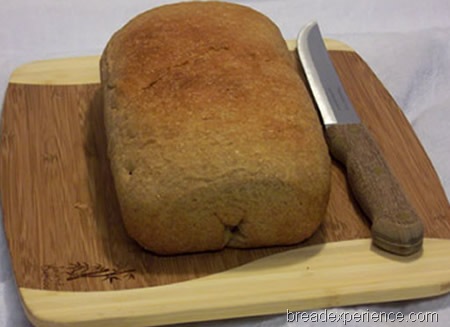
407, 44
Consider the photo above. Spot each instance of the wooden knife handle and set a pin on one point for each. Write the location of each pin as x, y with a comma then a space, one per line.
396, 227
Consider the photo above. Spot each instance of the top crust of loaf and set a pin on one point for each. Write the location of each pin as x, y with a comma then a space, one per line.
212, 136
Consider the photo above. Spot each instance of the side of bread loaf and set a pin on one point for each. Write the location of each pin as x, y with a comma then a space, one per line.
212, 137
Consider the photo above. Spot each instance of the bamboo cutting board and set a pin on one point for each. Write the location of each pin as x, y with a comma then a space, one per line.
74, 264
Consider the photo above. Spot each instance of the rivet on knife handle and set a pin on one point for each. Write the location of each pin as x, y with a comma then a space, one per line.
396, 227
395, 224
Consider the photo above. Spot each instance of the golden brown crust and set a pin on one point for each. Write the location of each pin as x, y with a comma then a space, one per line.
212, 137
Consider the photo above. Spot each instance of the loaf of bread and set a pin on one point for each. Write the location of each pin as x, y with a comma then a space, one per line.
212, 137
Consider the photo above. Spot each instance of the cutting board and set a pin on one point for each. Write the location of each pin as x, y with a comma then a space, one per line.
75, 265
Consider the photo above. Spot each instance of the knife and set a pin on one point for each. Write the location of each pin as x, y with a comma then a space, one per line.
395, 225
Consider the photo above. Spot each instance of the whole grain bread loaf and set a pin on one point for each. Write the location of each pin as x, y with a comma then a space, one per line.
212, 138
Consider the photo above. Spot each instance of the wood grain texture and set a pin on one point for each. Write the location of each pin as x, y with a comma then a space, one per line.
63, 224
61, 209
327, 275
397, 141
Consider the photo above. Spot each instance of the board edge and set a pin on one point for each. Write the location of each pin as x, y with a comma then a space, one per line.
195, 300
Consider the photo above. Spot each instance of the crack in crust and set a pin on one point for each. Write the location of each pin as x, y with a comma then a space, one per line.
190, 61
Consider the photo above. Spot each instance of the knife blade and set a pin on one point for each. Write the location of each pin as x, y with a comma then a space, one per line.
395, 225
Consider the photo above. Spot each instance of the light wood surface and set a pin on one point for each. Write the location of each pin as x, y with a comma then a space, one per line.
62, 71
65, 234
328, 275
